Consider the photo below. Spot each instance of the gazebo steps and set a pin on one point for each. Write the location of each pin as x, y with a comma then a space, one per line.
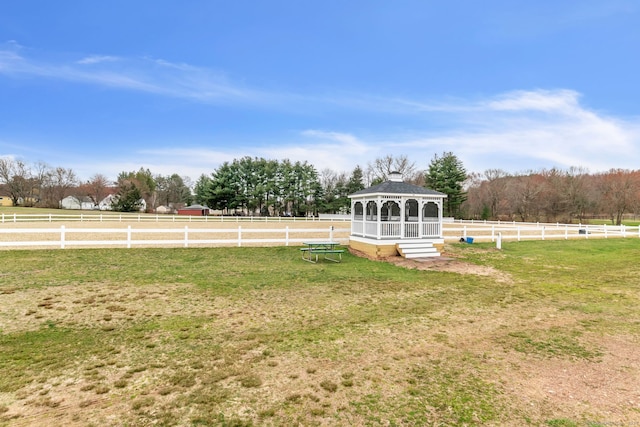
417, 250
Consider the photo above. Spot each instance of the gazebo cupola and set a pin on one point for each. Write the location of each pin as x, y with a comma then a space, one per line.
396, 217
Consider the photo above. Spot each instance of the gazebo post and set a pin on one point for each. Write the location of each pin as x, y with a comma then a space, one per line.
379, 218
402, 216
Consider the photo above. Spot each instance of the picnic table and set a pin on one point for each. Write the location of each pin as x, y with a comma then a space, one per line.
327, 249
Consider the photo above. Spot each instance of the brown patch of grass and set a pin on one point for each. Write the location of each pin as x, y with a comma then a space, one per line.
409, 346
329, 386
249, 381
101, 389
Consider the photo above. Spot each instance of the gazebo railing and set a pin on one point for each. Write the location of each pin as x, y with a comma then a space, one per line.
389, 229
431, 229
394, 230
411, 230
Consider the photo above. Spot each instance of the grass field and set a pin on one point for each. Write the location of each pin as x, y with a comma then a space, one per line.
540, 333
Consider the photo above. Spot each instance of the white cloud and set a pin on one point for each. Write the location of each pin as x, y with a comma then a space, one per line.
97, 59
541, 100
336, 138
516, 131
539, 128
141, 74
513, 131
324, 149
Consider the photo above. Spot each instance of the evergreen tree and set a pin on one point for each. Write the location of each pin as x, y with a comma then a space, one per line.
201, 189
356, 181
446, 174
129, 197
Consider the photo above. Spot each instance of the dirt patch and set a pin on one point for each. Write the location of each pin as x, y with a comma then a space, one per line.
446, 262
603, 392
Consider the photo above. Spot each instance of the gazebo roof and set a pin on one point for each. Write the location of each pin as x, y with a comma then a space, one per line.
397, 187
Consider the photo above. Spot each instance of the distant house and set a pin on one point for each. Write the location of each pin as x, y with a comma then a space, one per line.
195, 210
106, 204
165, 210
73, 202
6, 201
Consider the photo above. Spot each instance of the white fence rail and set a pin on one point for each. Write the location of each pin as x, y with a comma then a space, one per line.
490, 231
115, 217
62, 237
202, 231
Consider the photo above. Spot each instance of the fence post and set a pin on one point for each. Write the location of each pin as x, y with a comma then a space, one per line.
518, 233
606, 236
239, 235
186, 236
543, 232
62, 237
566, 231
128, 236
499, 241
331, 233
3, 219
49, 217
286, 236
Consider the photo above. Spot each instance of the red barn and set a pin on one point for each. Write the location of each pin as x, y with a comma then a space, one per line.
195, 210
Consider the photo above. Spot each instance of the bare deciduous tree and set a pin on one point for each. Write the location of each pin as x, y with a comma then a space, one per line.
56, 187
97, 187
381, 168
619, 191
16, 176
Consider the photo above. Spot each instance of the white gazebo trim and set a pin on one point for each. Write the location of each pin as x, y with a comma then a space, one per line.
381, 225
395, 212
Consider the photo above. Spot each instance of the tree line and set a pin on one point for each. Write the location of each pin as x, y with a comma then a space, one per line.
40, 185
258, 186
245, 186
35, 185
552, 195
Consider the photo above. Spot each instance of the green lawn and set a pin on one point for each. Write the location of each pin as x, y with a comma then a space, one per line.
540, 333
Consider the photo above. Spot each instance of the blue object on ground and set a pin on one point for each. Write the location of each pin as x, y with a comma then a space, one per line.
469, 240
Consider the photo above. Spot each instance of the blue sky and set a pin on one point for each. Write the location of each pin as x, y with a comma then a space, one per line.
180, 87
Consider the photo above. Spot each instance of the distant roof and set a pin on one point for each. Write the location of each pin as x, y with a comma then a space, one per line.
195, 207
397, 187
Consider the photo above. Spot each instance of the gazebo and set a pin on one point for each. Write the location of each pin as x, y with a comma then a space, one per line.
397, 218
